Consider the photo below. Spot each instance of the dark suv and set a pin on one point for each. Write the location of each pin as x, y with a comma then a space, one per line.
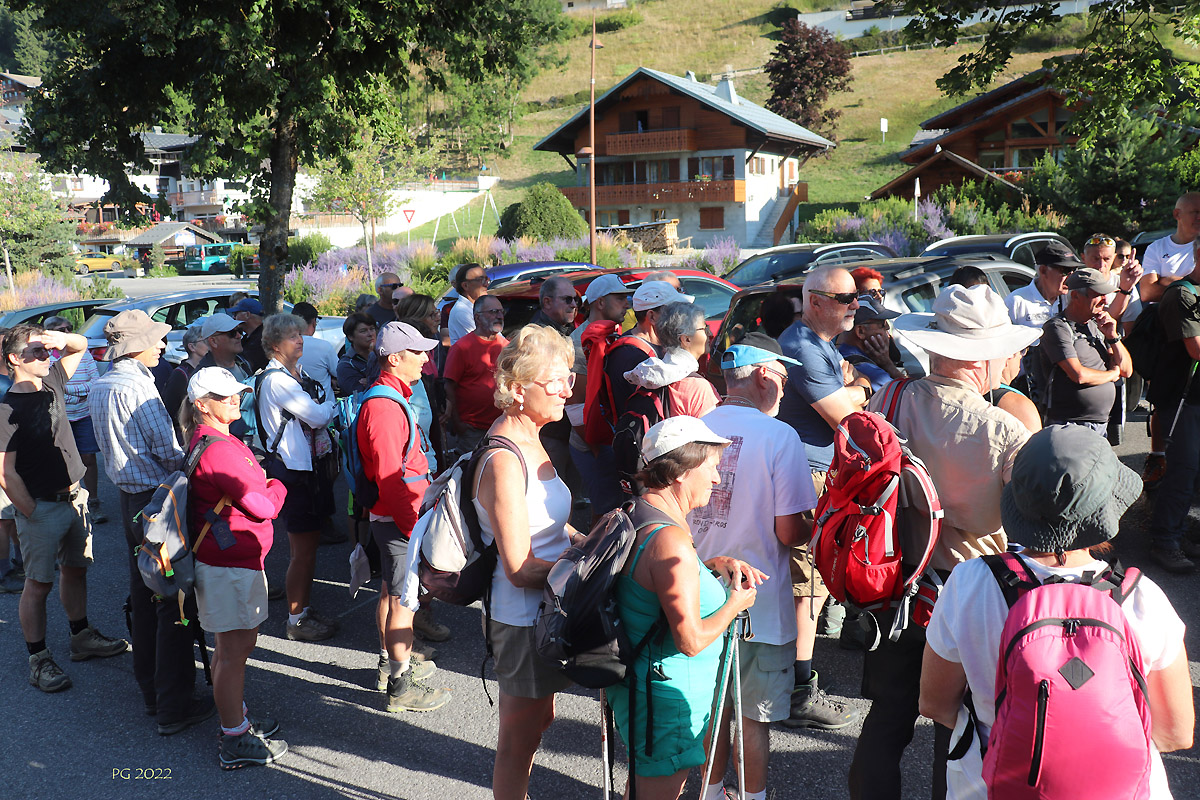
790, 260
1019, 247
909, 284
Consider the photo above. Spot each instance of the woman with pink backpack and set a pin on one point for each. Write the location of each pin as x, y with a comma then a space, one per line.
1062, 673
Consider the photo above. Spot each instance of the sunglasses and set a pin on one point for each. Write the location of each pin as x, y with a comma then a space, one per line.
845, 298
392, 286
876, 293
234, 334
570, 299
1100, 241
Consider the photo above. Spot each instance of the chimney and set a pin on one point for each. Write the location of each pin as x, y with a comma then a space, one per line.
691, 76
157, 128
726, 92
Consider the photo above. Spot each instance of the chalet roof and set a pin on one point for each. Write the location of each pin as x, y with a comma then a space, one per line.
942, 155
767, 123
167, 230
964, 112
921, 137
28, 81
166, 141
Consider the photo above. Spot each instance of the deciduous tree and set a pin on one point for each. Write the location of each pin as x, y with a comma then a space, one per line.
32, 231
807, 66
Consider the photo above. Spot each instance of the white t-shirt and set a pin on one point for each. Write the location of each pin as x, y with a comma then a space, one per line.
764, 475
320, 361
967, 623
1164, 257
1027, 306
462, 319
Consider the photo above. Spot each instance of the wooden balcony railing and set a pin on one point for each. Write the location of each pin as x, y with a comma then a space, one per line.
197, 198
674, 140
681, 192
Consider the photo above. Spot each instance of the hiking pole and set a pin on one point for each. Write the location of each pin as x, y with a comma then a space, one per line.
1187, 387
741, 630
718, 709
604, 754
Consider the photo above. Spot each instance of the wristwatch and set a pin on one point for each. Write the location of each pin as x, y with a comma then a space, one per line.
1126, 292
1111, 342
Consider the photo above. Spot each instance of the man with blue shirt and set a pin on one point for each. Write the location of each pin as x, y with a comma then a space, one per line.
867, 346
817, 397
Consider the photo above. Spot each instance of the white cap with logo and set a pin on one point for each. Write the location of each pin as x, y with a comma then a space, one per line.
675, 432
216, 381
653, 294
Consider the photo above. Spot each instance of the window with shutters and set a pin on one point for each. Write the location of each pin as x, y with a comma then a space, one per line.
712, 219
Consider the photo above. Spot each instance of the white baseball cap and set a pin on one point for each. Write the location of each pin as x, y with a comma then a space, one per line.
653, 294
604, 286
217, 323
675, 432
216, 381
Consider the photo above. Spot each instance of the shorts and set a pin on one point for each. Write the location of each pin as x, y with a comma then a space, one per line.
393, 551
230, 598
802, 572
767, 680
7, 509
520, 671
85, 436
57, 532
309, 500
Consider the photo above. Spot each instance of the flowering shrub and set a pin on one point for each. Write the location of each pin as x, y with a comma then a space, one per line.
718, 258
332, 288
39, 288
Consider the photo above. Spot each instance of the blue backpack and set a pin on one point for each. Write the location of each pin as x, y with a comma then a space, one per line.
365, 491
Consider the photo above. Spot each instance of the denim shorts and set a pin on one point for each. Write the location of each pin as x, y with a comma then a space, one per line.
85, 436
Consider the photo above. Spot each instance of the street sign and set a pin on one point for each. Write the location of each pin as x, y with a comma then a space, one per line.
883, 128
409, 213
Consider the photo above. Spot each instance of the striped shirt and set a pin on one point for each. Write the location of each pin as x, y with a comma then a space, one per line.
133, 428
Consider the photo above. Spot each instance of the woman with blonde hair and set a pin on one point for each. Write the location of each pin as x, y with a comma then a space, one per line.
524, 506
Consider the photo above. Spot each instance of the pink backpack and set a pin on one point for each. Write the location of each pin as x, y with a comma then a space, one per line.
1072, 718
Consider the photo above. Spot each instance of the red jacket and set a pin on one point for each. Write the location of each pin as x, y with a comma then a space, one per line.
382, 440
229, 468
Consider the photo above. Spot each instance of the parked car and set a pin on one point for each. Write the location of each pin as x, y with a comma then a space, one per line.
1019, 247
712, 293
789, 260
181, 310
1142, 240
521, 271
75, 310
89, 261
909, 284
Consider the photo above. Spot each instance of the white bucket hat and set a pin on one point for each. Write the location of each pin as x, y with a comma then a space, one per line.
967, 324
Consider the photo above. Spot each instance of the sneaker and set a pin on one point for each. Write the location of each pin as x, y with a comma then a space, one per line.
427, 629
324, 620
263, 727
408, 694
1172, 560
309, 629
201, 709
91, 643
249, 749
11, 584
812, 708
47, 675
97, 515
1153, 471
829, 622
419, 669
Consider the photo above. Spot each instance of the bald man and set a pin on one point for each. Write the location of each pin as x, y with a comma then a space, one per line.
389, 287
1170, 258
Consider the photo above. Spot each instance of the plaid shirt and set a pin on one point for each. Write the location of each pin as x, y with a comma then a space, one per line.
133, 428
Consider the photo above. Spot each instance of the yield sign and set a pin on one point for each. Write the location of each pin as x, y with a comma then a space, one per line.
409, 213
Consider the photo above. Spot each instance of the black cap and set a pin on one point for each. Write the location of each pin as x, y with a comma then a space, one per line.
870, 310
1059, 256
306, 311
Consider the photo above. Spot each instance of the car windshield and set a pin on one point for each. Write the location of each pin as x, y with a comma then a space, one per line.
761, 268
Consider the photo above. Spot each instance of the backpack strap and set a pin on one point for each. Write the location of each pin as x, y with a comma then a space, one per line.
223, 534
414, 431
891, 398
642, 546
1004, 568
285, 415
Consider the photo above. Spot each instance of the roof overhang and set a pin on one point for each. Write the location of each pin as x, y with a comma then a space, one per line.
967, 165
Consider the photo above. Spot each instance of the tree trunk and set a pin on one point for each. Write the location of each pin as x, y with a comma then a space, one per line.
272, 250
369, 241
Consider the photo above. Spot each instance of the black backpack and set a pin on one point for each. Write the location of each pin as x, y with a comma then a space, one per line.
578, 627
1147, 340
646, 408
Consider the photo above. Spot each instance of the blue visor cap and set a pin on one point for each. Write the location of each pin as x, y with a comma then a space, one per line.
744, 355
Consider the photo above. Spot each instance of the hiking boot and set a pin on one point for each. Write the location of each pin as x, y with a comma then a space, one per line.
423, 652
812, 708
263, 727
829, 622
1172, 560
427, 629
201, 709
11, 584
1153, 471
324, 620
408, 694
97, 515
91, 643
47, 675
420, 670
249, 749
309, 629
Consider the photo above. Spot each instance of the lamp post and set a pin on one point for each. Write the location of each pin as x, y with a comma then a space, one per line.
592, 145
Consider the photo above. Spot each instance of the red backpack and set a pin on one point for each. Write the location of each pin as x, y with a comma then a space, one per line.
877, 524
599, 418
1072, 719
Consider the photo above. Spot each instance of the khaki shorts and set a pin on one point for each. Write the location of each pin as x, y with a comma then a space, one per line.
802, 572
230, 598
767, 679
520, 671
57, 532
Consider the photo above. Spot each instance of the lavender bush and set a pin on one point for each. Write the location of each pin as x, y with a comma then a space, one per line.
332, 287
35, 289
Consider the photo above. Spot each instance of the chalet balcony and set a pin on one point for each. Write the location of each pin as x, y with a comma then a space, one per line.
675, 140
631, 194
205, 197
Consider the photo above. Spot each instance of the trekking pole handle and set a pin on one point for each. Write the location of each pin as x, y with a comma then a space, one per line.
742, 627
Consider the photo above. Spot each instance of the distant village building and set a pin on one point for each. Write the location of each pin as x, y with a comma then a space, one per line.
588, 5
1004, 131
15, 89
675, 148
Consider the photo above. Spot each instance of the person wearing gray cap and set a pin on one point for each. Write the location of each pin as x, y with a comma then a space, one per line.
1064, 504
141, 452
1082, 355
867, 346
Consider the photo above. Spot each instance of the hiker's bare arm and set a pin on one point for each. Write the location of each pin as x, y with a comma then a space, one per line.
71, 345
1152, 286
835, 407
501, 492
793, 529
943, 684
1172, 713
1023, 409
1192, 343
14, 486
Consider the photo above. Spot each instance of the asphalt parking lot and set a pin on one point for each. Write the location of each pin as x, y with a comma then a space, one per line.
95, 741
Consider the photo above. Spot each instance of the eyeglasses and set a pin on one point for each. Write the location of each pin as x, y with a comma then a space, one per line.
783, 378
483, 278
558, 385
1100, 240
845, 298
876, 293
570, 299
491, 311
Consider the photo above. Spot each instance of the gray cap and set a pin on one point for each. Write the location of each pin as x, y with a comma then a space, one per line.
1068, 491
396, 337
1093, 279
217, 323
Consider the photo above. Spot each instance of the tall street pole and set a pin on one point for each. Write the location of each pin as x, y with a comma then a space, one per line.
592, 144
